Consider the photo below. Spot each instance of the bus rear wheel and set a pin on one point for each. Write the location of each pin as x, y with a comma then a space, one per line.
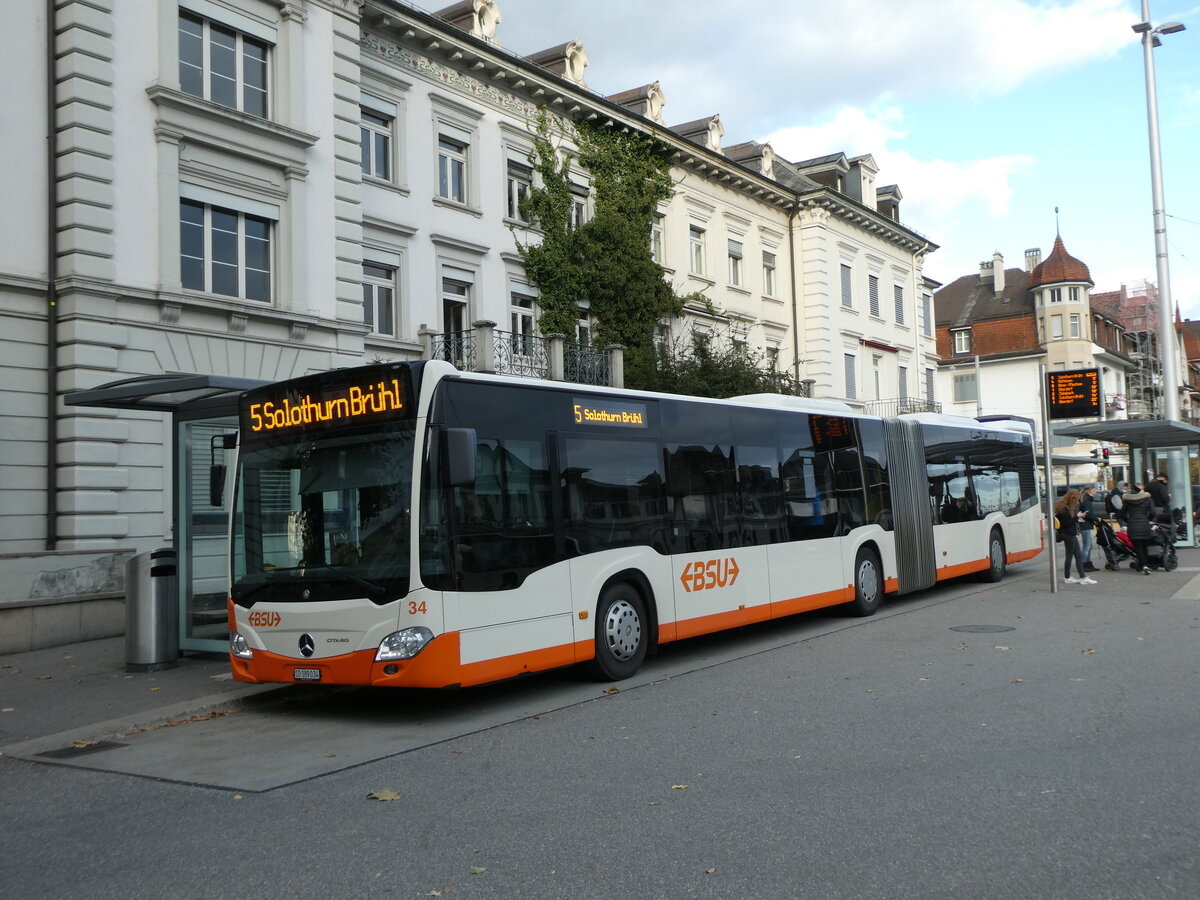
997, 560
622, 632
868, 583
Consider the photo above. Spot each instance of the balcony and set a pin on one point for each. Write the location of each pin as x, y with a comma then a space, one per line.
486, 348
901, 406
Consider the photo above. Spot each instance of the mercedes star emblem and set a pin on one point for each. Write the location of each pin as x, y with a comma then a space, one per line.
307, 645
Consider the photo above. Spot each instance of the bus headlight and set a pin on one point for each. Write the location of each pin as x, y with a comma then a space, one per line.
403, 644
238, 646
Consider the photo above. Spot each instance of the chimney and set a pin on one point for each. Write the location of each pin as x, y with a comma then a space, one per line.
998, 272
1033, 258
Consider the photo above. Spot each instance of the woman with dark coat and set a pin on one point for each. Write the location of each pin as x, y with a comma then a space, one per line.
1067, 513
1139, 513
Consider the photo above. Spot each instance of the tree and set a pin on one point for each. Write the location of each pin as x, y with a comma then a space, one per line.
607, 261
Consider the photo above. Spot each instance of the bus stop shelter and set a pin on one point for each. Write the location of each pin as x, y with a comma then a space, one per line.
202, 409
1150, 443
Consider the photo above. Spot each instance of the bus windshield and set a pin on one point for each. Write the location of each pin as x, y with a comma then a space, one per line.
325, 518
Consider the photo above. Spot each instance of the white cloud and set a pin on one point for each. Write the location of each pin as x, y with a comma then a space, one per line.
941, 194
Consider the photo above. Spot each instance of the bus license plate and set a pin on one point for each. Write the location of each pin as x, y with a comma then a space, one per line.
307, 674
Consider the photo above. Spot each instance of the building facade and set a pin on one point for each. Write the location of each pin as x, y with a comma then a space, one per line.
259, 189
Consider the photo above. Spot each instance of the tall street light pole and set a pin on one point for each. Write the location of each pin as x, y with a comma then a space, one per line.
1166, 322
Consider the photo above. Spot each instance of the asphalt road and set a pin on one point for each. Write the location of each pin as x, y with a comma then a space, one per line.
1052, 754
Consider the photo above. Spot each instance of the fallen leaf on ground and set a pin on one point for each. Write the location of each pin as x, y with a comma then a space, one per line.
612, 690
79, 745
478, 870
1018, 681
44, 677
384, 795
9, 709
709, 871
1088, 651
679, 787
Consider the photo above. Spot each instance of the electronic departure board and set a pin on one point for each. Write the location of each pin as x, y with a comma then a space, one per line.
1074, 394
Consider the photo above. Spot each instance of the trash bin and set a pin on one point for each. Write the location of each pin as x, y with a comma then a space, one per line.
151, 612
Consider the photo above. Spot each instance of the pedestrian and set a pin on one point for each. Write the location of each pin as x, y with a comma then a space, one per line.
1087, 525
1160, 496
1114, 502
1068, 514
1139, 510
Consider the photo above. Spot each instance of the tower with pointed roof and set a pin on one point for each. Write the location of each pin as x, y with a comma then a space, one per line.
1061, 288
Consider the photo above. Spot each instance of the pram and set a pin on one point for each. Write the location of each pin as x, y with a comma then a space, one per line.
1115, 546
1161, 550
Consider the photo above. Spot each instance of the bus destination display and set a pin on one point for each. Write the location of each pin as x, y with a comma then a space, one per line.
594, 411
325, 406
1074, 394
831, 432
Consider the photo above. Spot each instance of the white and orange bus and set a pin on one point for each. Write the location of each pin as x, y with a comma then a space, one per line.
410, 524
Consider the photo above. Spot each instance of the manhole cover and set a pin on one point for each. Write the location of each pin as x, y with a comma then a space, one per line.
983, 629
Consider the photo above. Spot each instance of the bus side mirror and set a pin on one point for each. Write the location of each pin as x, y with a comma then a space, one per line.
459, 446
216, 471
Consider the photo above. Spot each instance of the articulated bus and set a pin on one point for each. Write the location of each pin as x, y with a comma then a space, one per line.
410, 524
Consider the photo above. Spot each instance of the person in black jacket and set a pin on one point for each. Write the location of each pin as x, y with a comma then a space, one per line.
1114, 503
1067, 513
1139, 511
1160, 495
1087, 525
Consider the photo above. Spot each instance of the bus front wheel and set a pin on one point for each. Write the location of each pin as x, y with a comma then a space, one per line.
621, 632
868, 583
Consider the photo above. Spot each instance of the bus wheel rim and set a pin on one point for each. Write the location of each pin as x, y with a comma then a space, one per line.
868, 580
622, 630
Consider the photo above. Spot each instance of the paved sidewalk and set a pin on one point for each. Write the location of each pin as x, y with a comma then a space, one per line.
54, 691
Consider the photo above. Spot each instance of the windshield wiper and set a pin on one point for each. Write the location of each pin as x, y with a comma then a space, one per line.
377, 590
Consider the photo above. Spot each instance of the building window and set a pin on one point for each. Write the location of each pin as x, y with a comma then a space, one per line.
656, 240
379, 298
965, 388
768, 274
873, 293
1055, 295
927, 315
847, 290
875, 363
1073, 324
773, 358
735, 263
222, 65
962, 341
696, 241
520, 180
848, 366
376, 139
1056, 328
452, 169
903, 382
898, 296
583, 331
1074, 292
521, 317
223, 251
579, 200
929, 385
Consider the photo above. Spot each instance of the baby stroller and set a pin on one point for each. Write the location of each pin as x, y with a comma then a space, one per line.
1161, 550
1115, 546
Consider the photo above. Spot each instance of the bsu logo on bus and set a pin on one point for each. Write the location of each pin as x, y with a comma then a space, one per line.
704, 575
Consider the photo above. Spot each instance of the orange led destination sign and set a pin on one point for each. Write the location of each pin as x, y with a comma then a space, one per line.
352, 402
831, 432
1074, 394
599, 412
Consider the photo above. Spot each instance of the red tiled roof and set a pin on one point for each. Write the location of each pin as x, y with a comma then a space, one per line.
1060, 266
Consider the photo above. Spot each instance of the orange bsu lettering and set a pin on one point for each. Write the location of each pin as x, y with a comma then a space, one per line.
265, 619
704, 575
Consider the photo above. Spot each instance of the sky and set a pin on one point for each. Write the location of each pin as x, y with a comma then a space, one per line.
988, 114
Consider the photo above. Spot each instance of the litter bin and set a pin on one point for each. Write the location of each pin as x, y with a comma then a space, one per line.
151, 612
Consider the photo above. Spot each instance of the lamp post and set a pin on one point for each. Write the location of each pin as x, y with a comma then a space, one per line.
1166, 324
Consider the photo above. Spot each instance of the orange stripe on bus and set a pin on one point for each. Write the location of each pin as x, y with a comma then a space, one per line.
975, 565
1022, 555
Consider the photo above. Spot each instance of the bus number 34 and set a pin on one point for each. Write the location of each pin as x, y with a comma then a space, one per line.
704, 575
414, 607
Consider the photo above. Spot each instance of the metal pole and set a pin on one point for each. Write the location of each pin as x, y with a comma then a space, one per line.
1046, 464
1166, 323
